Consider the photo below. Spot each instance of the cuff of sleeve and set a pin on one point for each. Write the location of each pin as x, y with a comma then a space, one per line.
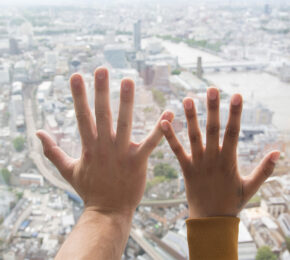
213, 238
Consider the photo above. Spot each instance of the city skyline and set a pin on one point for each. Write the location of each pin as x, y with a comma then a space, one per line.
170, 53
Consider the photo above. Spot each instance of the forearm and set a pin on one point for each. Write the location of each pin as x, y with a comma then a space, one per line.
97, 236
213, 238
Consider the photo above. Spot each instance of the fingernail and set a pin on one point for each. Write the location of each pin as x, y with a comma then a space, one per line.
212, 94
188, 104
275, 157
168, 116
164, 126
101, 74
236, 100
75, 80
126, 86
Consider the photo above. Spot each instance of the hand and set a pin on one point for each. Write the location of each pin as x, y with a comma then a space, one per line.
110, 176
213, 184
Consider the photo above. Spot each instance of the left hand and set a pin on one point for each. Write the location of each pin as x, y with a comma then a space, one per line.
110, 176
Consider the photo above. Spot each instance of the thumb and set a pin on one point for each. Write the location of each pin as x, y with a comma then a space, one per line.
155, 136
55, 154
261, 173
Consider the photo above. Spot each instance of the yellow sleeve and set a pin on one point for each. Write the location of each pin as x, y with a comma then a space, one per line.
213, 238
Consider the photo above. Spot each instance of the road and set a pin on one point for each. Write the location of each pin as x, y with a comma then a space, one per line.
36, 150
25, 214
146, 246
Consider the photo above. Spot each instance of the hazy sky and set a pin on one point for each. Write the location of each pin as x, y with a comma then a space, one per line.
75, 2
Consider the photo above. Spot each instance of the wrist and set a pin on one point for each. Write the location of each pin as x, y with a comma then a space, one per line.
98, 234
113, 217
198, 214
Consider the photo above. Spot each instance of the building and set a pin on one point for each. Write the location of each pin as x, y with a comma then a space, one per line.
266, 232
161, 76
275, 206
4, 74
285, 73
284, 222
246, 246
30, 178
4, 46
199, 71
16, 110
20, 72
17, 88
116, 55
13, 46
137, 35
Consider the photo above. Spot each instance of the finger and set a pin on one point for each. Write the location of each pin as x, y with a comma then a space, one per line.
56, 155
213, 123
260, 173
102, 104
193, 129
174, 143
153, 139
86, 124
231, 137
124, 125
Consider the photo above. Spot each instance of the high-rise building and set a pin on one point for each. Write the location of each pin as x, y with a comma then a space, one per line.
161, 76
199, 70
267, 9
137, 35
13, 46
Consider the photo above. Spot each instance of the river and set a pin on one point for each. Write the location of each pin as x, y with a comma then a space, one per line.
259, 86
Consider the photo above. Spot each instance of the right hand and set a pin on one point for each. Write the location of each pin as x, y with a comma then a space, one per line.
213, 184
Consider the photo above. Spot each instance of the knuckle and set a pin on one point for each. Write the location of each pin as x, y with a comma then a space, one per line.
212, 129
102, 116
151, 144
123, 125
87, 154
190, 115
81, 115
232, 132
235, 110
194, 138
49, 152
213, 105
126, 98
267, 171
168, 136
176, 149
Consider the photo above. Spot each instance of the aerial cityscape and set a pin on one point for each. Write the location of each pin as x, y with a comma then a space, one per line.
171, 50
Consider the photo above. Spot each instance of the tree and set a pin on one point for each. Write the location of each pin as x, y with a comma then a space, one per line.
288, 243
5, 175
159, 97
159, 155
156, 180
175, 72
164, 169
265, 253
18, 143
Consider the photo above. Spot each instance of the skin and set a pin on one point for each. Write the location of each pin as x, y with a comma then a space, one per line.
110, 175
213, 184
